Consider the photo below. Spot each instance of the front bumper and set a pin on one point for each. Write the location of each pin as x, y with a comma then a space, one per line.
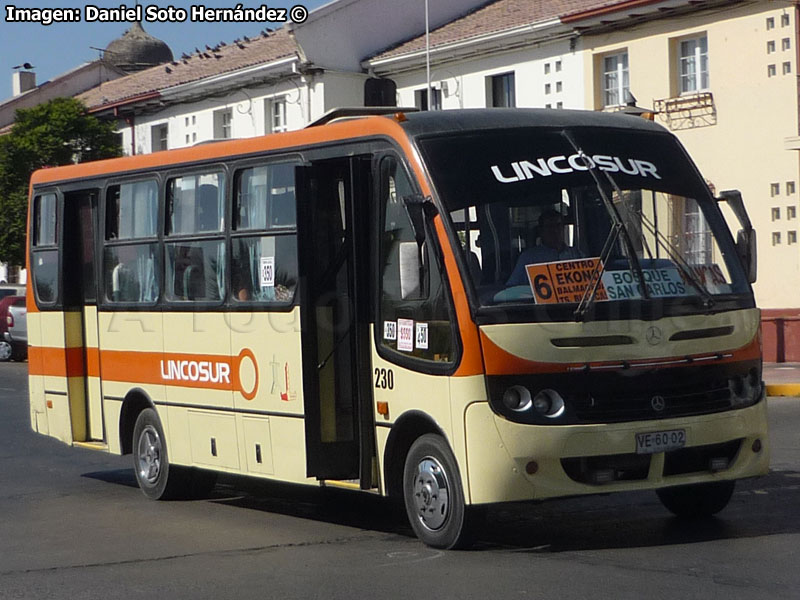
512, 461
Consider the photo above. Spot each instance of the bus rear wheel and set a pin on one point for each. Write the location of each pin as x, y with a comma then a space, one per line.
698, 500
433, 494
157, 479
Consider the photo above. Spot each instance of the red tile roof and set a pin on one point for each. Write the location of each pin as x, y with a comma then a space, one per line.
497, 16
208, 63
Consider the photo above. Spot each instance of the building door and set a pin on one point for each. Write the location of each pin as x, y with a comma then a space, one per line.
333, 245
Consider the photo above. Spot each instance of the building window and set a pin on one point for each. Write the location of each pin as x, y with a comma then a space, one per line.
774, 189
546, 68
559, 105
789, 188
771, 71
770, 23
558, 66
786, 44
784, 20
776, 238
770, 46
421, 99
791, 212
776, 213
548, 106
502, 89
559, 86
698, 235
787, 68
694, 65
615, 79
791, 237
222, 124
547, 88
275, 115
158, 135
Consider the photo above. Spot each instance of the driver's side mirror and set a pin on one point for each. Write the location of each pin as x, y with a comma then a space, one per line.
746, 237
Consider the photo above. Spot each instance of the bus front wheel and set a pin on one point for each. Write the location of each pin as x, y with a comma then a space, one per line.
697, 500
433, 494
156, 477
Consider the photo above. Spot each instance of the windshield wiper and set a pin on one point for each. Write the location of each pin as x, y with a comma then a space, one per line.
619, 226
674, 255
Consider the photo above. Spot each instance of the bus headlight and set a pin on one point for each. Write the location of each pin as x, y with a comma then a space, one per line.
517, 398
549, 403
745, 390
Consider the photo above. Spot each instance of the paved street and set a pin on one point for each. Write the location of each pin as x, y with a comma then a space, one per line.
74, 525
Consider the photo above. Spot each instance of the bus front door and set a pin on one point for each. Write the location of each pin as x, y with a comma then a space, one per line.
80, 300
333, 245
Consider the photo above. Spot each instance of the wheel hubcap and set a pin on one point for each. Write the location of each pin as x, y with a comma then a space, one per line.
431, 493
5, 350
149, 454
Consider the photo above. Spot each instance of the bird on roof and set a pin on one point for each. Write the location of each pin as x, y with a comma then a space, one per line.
168, 70
26, 66
222, 44
240, 45
185, 57
245, 38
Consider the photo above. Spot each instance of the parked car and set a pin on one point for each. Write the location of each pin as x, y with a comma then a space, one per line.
16, 333
5, 347
10, 289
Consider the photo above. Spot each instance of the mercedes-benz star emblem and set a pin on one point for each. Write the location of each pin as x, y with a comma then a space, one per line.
654, 336
658, 403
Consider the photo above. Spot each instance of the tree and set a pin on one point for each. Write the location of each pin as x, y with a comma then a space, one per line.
58, 132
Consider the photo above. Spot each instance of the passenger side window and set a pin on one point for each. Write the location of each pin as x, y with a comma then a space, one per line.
45, 248
414, 310
130, 257
264, 245
195, 245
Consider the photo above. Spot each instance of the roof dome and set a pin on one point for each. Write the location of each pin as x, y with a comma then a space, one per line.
137, 50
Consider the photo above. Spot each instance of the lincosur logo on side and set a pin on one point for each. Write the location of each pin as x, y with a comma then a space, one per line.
545, 167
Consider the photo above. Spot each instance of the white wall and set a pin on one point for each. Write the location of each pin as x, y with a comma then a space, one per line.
465, 80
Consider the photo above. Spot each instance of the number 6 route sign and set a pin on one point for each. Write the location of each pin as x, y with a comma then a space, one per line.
564, 281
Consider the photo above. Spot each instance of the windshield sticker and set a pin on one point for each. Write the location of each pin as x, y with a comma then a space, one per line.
564, 281
661, 283
389, 330
405, 335
422, 336
545, 167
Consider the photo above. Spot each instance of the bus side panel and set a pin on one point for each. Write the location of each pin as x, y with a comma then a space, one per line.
405, 391
38, 405
270, 383
128, 341
200, 430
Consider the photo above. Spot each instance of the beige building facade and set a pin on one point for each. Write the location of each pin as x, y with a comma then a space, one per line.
725, 82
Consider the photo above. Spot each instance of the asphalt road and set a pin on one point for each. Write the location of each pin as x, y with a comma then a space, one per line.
74, 525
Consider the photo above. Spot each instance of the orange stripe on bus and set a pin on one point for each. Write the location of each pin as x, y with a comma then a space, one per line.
501, 362
471, 359
203, 371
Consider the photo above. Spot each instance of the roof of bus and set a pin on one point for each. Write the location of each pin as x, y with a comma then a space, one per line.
434, 122
413, 125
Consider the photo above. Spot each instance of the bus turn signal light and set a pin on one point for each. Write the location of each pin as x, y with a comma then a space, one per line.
383, 409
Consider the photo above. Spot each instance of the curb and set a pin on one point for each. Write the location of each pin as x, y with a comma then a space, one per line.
783, 389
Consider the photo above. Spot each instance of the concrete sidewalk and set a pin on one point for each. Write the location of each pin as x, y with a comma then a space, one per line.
782, 379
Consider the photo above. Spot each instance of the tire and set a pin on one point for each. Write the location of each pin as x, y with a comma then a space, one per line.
698, 500
5, 351
157, 479
19, 353
433, 494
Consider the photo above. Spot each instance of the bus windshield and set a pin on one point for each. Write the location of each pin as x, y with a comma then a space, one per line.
582, 217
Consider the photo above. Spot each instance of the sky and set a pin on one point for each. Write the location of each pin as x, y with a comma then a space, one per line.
57, 48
